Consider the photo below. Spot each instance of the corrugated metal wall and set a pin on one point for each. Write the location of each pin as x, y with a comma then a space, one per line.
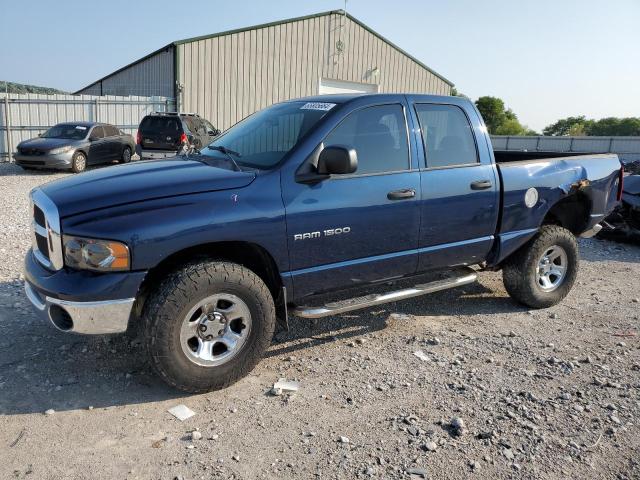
627, 148
151, 77
228, 77
31, 114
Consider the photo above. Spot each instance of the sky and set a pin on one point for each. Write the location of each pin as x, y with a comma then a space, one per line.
546, 59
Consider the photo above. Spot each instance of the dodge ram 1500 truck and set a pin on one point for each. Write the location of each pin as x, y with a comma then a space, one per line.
296, 210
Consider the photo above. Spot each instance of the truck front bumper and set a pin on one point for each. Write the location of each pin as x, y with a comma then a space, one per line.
82, 302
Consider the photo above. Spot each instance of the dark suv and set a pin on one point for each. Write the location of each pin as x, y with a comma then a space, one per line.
165, 134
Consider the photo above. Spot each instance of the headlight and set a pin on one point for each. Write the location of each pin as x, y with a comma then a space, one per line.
58, 151
92, 254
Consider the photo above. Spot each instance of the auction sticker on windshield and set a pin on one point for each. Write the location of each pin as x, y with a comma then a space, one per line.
318, 106
80, 127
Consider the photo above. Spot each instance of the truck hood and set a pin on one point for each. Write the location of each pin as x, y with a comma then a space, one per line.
139, 181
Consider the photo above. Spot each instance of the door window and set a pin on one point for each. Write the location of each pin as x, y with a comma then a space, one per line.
111, 131
97, 132
193, 125
379, 136
209, 127
446, 135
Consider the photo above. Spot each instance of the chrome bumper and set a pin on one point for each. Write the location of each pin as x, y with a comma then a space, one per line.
92, 318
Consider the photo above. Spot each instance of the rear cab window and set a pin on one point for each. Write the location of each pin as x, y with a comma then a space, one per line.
379, 135
447, 136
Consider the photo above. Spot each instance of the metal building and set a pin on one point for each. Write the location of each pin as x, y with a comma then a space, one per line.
227, 76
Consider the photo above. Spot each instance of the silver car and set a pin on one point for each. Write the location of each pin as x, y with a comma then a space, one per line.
75, 145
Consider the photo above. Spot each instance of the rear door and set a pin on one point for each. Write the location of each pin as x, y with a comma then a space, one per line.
160, 132
113, 141
460, 188
362, 227
98, 147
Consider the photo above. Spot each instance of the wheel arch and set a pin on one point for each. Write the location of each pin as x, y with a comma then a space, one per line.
250, 255
571, 212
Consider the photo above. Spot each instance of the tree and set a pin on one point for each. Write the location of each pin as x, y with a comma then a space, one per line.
565, 125
456, 93
493, 111
510, 126
11, 87
607, 127
615, 127
500, 120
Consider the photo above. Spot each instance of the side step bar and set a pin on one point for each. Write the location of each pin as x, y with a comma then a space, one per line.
456, 279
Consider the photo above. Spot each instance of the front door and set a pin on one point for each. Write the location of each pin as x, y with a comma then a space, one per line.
362, 227
99, 146
460, 190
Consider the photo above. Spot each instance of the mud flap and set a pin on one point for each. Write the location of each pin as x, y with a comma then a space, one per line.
282, 314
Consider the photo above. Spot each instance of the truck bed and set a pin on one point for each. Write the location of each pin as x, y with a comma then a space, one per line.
581, 188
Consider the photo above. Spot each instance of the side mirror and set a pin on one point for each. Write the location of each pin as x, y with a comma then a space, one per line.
92, 139
338, 160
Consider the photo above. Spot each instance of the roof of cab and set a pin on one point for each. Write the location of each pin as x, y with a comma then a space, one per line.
347, 97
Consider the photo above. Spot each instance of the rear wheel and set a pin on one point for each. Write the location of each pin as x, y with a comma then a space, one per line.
126, 155
542, 272
208, 324
78, 162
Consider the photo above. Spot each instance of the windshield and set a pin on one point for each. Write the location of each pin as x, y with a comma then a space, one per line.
264, 138
68, 131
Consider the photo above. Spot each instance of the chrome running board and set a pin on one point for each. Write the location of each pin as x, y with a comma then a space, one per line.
457, 278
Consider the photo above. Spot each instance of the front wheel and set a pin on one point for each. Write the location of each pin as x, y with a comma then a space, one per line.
78, 162
543, 272
207, 325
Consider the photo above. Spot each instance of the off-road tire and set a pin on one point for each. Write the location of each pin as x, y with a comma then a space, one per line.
519, 273
126, 158
78, 162
168, 305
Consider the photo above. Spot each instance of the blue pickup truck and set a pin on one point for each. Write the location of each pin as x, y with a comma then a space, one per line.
310, 207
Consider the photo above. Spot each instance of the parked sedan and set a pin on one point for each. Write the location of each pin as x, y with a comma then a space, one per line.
75, 145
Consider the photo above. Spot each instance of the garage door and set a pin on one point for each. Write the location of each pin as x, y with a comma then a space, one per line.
340, 86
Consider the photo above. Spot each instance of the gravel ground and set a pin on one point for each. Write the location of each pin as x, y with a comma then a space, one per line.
499, 391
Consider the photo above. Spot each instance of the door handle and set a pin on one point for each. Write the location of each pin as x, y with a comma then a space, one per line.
401, 194
481, 185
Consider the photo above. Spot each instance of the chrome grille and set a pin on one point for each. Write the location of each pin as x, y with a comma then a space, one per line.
47, 240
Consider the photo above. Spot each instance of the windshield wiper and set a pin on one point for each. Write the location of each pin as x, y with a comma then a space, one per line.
228, 153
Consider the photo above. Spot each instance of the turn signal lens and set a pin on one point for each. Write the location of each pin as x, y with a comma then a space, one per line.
92, 254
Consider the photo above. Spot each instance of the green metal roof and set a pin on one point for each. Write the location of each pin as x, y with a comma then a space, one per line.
272, 24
